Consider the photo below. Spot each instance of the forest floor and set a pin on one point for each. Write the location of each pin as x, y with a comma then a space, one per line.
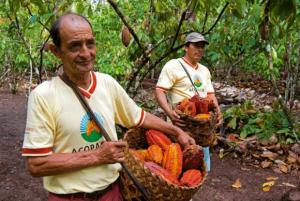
17, 185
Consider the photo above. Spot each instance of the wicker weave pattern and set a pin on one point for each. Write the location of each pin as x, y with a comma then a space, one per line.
159, 189
202, 131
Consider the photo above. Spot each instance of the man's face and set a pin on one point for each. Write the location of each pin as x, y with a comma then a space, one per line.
195, 51
78, 46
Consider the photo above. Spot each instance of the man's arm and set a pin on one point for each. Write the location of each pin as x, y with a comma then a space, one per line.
153, 122
57, 163
163, 102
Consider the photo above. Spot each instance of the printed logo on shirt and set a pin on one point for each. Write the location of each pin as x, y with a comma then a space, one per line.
197, 81
88, 129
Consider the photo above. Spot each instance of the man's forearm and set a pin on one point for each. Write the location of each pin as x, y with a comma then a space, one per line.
58, 163
215, 101
162, 101
153, 122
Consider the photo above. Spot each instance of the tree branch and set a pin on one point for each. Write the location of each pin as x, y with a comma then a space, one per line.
152, 66
41, 58
180, 24
218, 18
140, 62
204, 22
138, 66
23, 39
43, 25
115, 7
270, 65
166, 39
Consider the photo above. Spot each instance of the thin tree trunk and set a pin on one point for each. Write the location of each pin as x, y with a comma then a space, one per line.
30, 64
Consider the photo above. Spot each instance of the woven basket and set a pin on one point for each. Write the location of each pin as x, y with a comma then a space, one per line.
203, 131
158, 189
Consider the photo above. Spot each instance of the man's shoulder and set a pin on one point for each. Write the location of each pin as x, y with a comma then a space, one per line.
103, 77
47, 87
202, 67
172, 63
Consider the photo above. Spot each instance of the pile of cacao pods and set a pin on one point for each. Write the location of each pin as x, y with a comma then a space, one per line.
167, 160
198, 108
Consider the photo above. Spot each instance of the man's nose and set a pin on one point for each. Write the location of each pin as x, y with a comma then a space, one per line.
84, 51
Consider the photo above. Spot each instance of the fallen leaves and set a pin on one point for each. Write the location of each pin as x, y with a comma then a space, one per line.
270, 155
267, 185
272, 178
283, 168
266, 164
237, 184
270, 182
259, 153
289, 185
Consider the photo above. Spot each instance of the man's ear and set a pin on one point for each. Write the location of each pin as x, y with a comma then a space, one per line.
184, 48
55, 50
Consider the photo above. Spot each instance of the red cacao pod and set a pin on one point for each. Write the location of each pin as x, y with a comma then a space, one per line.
126, 36
158, 170
193, 157
190, 109
191, 178
158, 138
202, 106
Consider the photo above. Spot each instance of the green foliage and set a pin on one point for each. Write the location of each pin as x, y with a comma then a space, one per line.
247, 120
234, 40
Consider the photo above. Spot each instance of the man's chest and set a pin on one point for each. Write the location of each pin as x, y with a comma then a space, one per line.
75, 130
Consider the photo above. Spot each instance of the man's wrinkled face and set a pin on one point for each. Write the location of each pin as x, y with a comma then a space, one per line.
195, 51
78, 46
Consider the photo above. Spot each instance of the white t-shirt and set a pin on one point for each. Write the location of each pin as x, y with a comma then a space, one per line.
57, 123
174, 79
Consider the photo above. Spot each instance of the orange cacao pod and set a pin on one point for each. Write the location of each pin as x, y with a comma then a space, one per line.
184, 103
202, 117
172, 160
140, 154
190, 109
126, 36
158, 170
191, 178
158, 138
154, 154
193, 157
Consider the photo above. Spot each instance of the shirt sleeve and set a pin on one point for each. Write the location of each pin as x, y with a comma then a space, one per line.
167, 76
210, 88
127, 113
38, 138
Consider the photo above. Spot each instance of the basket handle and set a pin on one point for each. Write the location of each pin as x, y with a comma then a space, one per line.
92, 116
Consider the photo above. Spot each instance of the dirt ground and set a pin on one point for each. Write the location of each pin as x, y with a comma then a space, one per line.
17, 185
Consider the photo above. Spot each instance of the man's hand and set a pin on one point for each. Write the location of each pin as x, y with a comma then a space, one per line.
184, 139
112, 152
175, 118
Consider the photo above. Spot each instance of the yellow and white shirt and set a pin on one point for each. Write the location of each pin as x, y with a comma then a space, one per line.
57, 123
174, 80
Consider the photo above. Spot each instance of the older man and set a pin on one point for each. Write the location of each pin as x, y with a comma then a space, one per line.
61, 144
